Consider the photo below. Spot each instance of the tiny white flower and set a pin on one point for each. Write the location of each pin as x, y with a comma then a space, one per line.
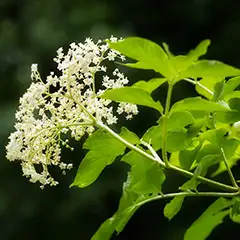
34, 67
64, 105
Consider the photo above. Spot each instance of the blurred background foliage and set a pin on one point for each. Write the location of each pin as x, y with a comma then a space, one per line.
30, 32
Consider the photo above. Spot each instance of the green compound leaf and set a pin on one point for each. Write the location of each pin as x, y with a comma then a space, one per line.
208, 83
106, 229
214, 136
201, 170
103, 149
198, 104
230, 147
180, 62
218, 91
200, 50
231, 85
210, 219
178, 120
232, 95
132, 95
146, 176
187, 156
175, 138
144, 181
129, 136
195, 128
130, 202
150, 85
173, 207
210, 68
148, 54
231, 116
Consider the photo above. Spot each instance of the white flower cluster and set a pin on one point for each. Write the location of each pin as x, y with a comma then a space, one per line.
64, 104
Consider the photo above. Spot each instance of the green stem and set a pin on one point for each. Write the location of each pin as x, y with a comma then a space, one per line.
164, 124
234, 183
189, 194
199, 84
179, 170
128, 144
204, 180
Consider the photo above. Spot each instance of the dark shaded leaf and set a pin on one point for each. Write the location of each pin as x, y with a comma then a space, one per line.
210, 219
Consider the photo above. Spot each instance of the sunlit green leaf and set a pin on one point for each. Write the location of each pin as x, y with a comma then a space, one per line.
154, 136
132, 95
230, 147
106, 229
231, 85
178, 120
210, 219
103, 149
231, 116
173, 207
167, 50
150, 85
208, 89
181, 62
197, 103
218, 90
210, 68
146, 176
174, 159
207, 149
214, 136
175, 138
129, 136
148, 54
199, 51
231, 95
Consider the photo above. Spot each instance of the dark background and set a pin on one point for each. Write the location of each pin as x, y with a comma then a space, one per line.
30, 32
